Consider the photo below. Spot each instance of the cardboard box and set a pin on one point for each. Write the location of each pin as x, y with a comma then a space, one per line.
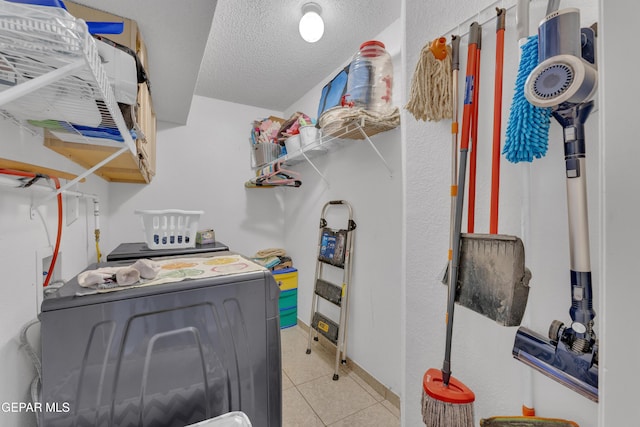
146, 119
124, 168
129, 36
205, 237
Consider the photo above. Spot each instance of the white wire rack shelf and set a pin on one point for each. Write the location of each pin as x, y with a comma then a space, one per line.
51, 77
336, 135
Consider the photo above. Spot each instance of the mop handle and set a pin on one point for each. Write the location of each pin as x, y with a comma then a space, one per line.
497, 121
464, 148
455, 67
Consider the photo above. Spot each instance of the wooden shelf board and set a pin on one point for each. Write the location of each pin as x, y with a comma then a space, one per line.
28, 167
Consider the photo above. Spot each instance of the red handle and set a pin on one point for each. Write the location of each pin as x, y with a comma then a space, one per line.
497, 129
474, 147
468, 96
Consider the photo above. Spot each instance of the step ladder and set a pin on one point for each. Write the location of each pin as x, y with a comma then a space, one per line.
335, 247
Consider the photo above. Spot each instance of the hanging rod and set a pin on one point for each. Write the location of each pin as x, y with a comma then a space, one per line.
482, 17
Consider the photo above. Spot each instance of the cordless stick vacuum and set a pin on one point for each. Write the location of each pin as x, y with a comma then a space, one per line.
564, 81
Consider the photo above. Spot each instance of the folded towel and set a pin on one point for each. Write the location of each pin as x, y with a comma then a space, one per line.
109, 277
147, 268
127, 276
90, 278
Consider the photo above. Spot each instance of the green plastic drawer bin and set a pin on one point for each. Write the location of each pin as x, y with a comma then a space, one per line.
288, 317
288, 299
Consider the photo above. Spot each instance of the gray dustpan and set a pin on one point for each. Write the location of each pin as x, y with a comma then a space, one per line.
492, 278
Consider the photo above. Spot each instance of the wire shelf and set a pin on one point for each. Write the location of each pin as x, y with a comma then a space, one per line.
51, 76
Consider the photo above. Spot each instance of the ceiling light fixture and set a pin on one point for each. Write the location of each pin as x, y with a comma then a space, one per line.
311, 25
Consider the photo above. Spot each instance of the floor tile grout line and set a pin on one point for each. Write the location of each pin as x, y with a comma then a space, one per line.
356, 383
362, 410
310, 406
346, 371
349, 369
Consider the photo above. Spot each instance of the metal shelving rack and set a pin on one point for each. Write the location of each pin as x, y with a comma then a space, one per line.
51, 76
331, 139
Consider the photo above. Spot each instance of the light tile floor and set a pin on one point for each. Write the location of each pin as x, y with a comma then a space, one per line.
311, 398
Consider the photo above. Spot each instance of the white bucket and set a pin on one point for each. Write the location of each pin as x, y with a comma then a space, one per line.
308, 135
292, 144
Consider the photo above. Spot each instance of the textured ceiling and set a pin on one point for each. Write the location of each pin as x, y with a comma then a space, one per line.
244, 51
255, 55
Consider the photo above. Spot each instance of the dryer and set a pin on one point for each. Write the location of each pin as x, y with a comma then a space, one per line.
165, 355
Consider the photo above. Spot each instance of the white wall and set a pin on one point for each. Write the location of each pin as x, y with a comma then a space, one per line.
620, 176
481, 356
355, 174
22, 240
203, 166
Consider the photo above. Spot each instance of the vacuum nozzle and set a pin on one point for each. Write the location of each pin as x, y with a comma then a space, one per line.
574, 368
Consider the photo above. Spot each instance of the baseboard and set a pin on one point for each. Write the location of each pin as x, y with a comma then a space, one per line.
380, 388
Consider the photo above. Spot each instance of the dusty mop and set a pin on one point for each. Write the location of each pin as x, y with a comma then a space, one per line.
528, 126
447, 402
430, 98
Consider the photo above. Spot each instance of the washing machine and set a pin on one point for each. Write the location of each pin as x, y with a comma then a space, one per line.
166, 355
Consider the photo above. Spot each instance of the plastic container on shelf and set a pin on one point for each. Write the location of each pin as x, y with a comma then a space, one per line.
265, 152
308, 135
370, 82
293, 144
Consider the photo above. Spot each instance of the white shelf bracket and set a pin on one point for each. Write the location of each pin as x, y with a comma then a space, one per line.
364, 134
316, 169
79, 177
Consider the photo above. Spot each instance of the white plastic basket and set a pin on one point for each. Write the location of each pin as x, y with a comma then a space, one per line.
170, 228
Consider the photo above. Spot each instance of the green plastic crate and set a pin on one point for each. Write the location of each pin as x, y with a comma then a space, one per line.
288, 299
288, 317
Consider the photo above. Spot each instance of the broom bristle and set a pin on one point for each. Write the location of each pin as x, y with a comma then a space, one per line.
436, 413
448, 405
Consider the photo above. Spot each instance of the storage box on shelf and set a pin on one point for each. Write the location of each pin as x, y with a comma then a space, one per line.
128, 37
70, 88
139, 168
125, 168
146, 143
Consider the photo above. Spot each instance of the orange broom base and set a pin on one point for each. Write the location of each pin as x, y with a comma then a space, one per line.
455, 392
